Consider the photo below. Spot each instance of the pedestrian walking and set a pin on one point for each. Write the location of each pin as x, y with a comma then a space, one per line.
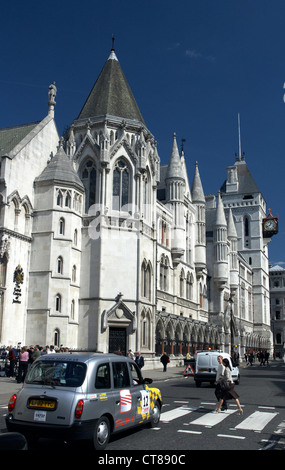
165, 360
227, 388
219, 375
140, 360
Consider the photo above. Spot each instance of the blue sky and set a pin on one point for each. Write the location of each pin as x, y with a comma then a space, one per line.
192, 66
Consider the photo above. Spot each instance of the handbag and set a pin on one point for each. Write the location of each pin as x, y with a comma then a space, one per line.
225, 385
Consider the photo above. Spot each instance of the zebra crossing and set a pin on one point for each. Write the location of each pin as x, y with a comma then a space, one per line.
256, 421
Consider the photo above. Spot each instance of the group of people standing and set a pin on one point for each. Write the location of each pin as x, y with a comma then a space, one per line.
26, 356
262, 357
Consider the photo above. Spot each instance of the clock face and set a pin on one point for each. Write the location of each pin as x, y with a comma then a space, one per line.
270, 225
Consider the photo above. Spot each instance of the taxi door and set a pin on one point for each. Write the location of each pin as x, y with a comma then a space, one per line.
125, 401
141, 395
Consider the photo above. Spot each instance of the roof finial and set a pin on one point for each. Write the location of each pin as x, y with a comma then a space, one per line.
240, 155
113, 43
51, 98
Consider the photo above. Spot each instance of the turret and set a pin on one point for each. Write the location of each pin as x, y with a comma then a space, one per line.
220, 245
233, 247
175, 190
198, 199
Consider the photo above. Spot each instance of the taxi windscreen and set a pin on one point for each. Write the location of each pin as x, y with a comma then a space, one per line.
57, 373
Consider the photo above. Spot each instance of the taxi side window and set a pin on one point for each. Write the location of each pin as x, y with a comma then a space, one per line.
121, 375
135, 374
103, 376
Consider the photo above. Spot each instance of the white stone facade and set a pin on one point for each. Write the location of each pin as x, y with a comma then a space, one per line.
118, 251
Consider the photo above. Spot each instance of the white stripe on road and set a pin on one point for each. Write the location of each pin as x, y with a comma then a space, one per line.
256, 421
231, 436
211, 419
190, 432
176, 413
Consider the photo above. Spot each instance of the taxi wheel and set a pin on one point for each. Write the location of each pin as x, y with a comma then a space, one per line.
156, 415
101, 433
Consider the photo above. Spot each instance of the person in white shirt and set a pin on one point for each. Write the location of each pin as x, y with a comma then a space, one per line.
219, 374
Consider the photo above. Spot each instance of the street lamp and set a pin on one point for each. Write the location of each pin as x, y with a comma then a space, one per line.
231, 324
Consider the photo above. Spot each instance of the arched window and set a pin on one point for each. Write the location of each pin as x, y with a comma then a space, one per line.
164, 273
56, 337
121, 185
146, 280
145, 327
68, 199
61, 226
89, 183
75, 237
189, 287
182, 279
58, 303
74, 273
72, 310
59, 265
59, 198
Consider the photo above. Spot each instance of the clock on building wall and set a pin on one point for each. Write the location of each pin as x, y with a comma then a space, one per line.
270, 225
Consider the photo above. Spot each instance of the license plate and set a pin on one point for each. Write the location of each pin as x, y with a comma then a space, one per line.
40, 415
203, 370
42, 404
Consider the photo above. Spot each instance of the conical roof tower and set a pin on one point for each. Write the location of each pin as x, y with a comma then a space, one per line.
111, 95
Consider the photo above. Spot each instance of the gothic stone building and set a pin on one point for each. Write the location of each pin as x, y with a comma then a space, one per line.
103, 248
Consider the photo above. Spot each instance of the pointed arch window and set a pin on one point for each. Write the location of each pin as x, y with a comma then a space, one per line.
56, 337
58, 303
59, 265
68, 199
74, 273
75, 237
146, 280
182, 281
89, 182
164, 273
121, 185
61, 226
59, 198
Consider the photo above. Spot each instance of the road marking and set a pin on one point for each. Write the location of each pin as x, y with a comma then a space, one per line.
189, 432
231, 436
256, 421
178, 401
267, 407
211, 419
176, 413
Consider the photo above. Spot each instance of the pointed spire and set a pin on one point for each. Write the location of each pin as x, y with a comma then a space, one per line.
240, 156
197, 188
111, 95
220, 213
232, 233
175, 169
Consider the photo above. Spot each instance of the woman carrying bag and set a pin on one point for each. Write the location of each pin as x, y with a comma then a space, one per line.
227, 388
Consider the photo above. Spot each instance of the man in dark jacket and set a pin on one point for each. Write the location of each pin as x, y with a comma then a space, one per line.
165, 360
140, 360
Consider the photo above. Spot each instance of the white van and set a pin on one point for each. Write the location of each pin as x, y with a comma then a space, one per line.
207, 364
